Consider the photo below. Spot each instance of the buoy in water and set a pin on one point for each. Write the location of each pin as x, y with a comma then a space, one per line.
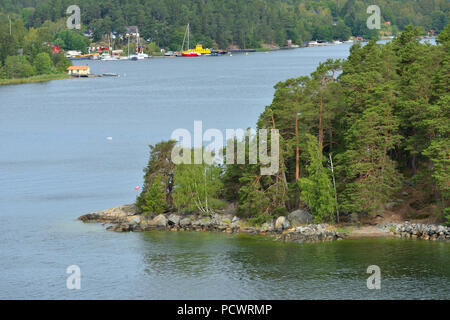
108, 138
136, 188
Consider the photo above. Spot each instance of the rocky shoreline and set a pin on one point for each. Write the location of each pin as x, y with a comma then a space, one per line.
297, 227
410, 230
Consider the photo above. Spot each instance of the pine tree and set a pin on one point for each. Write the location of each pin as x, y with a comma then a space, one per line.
160, 165
316, 189
153, 200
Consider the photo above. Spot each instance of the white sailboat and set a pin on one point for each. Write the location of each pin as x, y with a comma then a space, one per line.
138, 55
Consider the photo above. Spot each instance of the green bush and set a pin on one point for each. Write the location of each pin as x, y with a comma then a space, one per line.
71, 40
18, 67
43, 64
153, 200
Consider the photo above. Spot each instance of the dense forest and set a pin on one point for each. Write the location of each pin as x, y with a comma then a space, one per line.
352, 134
245, 23
29, 52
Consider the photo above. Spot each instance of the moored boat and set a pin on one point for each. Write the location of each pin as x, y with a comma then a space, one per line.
197, 52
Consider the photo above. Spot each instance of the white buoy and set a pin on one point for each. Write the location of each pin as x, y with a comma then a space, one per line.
108, 138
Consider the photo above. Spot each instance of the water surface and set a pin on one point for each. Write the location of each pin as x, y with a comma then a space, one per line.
56, 164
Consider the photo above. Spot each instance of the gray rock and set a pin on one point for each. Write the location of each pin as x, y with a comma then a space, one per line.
282, 223
205, 222
299, 217
135, 220
174, 219
405, 194
111, 215
159, 222
185, 222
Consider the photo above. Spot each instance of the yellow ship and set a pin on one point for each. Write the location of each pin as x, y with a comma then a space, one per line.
198, 51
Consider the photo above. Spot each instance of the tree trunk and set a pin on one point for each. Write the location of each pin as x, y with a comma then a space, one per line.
413, 165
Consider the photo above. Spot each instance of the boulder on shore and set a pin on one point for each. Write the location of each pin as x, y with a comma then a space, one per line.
282, 223
159, 222
111, 215
174, 220
300, 217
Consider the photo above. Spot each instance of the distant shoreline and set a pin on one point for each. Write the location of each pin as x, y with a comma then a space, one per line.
41, 78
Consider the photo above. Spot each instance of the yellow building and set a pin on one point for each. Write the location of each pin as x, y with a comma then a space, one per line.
79, 71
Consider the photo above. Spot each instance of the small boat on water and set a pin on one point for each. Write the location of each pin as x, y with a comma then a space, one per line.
89, 56
108, 57
138, 56
313, 44
197, 52
110, 74
191, 54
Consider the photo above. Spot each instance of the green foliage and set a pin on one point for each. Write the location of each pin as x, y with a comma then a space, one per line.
43, 64
197, 188
384, 117
316, 189
153, 200
160, 167
241, 22
26, 53
18, 67
447, 216
71, 40
153, 47
61, 62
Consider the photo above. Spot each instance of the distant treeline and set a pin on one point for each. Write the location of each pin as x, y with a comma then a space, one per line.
245, 23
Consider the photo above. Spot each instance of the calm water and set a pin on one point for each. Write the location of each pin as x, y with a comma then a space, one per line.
56, 164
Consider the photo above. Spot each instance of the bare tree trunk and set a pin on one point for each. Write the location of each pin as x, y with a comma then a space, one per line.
335, 191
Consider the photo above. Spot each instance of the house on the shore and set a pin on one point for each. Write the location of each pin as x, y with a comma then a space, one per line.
132, 31
79, 71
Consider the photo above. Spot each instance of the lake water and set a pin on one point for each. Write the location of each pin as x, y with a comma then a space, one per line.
56, 164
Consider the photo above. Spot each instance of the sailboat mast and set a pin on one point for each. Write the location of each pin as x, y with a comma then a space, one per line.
189, 44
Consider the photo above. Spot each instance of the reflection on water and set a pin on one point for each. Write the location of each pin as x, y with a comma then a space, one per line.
204, 265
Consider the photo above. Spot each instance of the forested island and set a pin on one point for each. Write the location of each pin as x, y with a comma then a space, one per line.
363, 139
352, 135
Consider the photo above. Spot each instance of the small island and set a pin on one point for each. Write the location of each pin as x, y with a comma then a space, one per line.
363, 153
